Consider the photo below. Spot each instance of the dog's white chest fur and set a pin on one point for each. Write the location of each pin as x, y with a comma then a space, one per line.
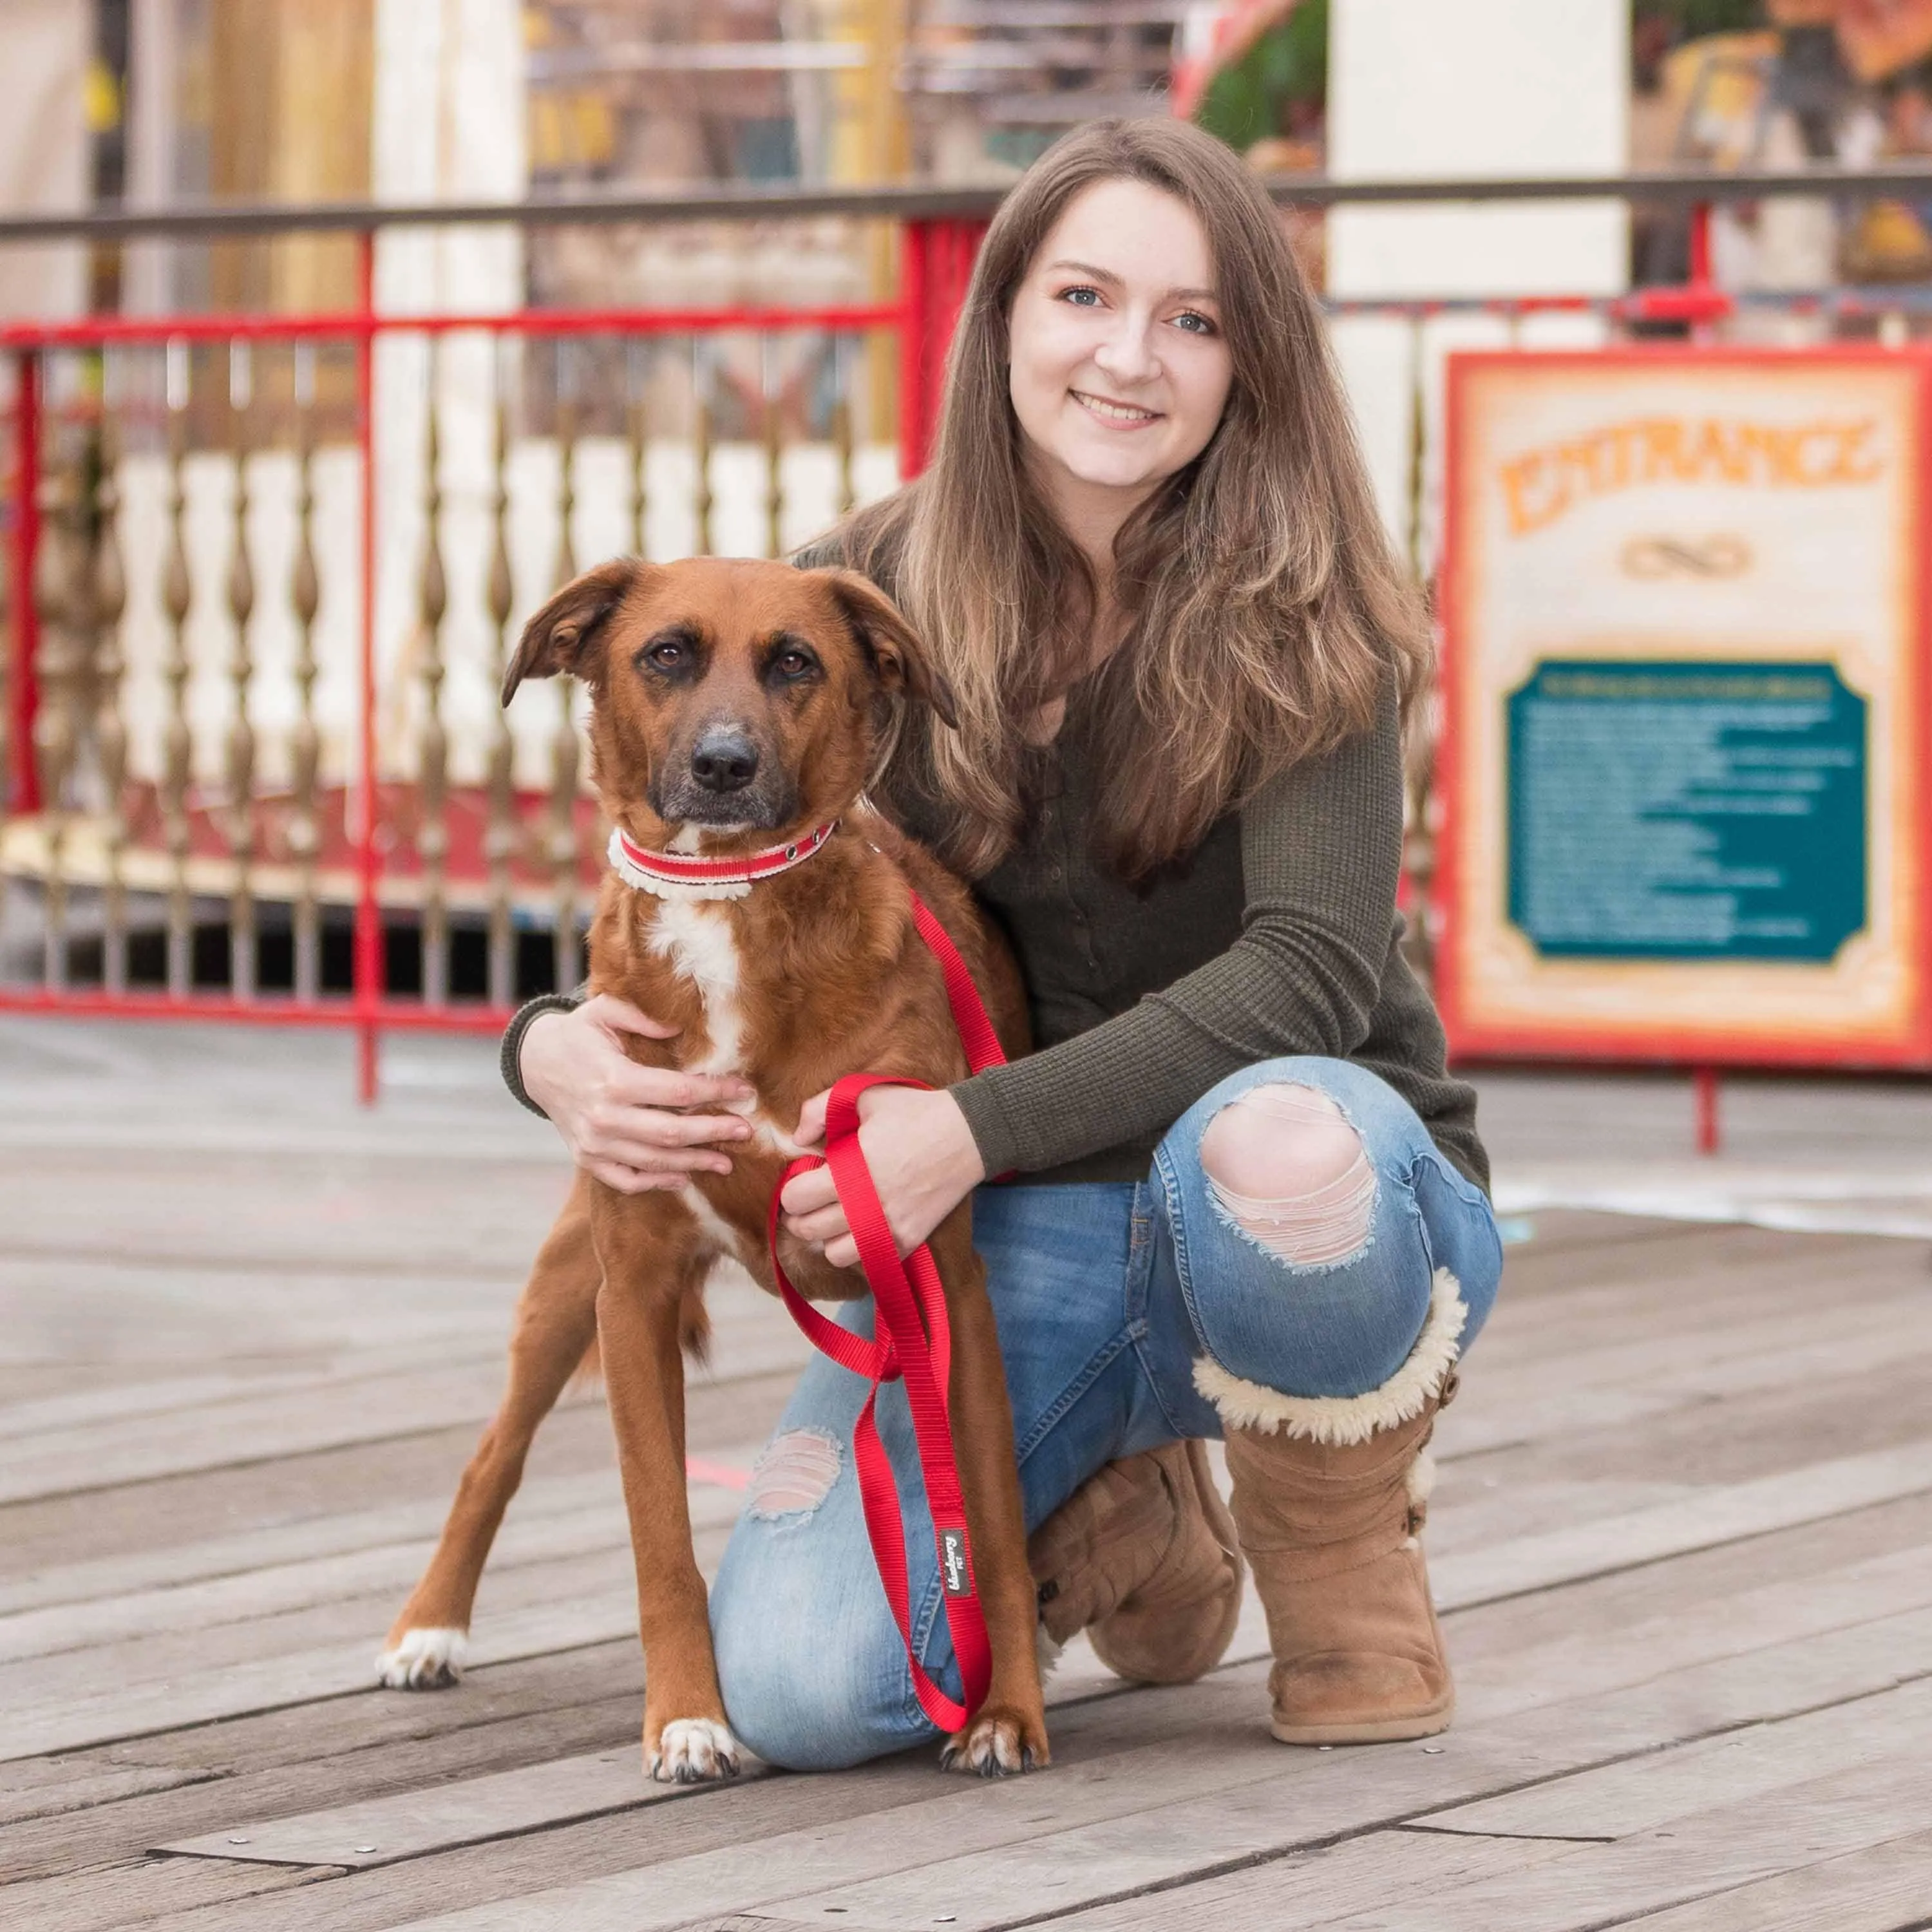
698, 937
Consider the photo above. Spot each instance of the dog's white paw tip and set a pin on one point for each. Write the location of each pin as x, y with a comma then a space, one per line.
993, 1747
425, 1660
691, 1750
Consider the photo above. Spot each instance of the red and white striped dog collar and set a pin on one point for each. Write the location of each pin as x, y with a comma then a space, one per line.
686, 876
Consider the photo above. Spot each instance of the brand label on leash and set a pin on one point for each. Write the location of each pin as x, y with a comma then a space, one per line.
955, 1577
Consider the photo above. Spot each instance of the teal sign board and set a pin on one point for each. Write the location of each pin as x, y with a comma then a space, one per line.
1674, 811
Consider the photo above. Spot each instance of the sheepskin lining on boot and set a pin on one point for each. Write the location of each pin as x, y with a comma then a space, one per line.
1341, 1420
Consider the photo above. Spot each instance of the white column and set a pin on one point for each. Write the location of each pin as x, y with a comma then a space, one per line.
1420, 90
43, 153
1429, 90
449, 123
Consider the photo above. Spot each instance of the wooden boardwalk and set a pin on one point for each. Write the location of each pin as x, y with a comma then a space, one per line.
1683, 1537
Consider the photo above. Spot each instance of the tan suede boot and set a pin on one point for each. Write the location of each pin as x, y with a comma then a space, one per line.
1330, 1497
1144, 1558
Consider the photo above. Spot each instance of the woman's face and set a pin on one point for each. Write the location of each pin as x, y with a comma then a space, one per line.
1119, 370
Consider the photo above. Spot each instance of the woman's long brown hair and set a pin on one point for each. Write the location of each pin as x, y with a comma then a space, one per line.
1266, 611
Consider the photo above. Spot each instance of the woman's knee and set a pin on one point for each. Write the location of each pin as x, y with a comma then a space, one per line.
798, 1703
808, 1660
1288, 1169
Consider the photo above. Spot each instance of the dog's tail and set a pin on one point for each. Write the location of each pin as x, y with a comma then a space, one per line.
588, 1375
694, 1326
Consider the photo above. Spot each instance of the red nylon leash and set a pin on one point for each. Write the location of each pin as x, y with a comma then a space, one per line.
910, 1306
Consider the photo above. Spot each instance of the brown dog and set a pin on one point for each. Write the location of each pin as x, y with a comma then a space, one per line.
738, 706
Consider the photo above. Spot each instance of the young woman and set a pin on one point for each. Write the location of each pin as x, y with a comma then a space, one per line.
1251, 1201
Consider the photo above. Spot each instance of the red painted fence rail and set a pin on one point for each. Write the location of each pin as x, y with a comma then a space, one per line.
937, 256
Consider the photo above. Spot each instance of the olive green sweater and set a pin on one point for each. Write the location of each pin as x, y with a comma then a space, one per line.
1278, 936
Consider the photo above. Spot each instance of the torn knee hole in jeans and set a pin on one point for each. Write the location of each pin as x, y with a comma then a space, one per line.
794, 1474
1288, 1171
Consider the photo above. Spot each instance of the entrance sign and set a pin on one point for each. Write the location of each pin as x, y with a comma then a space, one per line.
1686, 716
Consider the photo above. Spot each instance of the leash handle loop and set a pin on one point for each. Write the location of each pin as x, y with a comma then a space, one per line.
916, 1346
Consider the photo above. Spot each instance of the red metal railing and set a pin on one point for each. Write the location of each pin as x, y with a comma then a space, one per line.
937, 256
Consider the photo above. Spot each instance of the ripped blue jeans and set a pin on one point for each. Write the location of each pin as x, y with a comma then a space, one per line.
1127, 1312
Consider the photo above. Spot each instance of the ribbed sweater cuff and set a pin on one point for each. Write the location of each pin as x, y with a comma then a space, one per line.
510, 1062
993, 1133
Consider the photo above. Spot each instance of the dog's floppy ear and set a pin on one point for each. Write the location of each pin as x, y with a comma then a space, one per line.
898, 657
557, 638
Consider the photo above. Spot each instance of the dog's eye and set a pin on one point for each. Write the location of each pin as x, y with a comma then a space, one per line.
791, 664
668, 655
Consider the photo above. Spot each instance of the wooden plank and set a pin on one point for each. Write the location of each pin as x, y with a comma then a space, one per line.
1614, 1386
140, 1616
270, 1683
267, 1424
179, 1565
1719, 1848
1305, 1888
588, 1548
552, 1617
1100, 1830
134, 1894
1599, 1655
82, 1785
145, 1395
1620, 1800
257, 1427
319, 1756
407, 1825
560, 1518
1883, 1888
263, 1426
1720, 1514
139, 1523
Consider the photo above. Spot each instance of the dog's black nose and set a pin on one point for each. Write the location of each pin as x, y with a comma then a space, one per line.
724, 761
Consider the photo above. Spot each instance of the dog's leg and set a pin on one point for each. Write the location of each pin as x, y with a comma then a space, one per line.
556, 1322
638, 1317
1008, 1733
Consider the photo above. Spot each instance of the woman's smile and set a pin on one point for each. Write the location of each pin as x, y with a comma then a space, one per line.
1115, 415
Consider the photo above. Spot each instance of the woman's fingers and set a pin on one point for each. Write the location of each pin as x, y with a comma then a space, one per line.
827, 1225
651, 1159
607, 1123
812, 1212
606, 1009
811, 1120
634, 1180
660, 1087
804, 1193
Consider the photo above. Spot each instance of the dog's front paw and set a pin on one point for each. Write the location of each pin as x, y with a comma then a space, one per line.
690, 1750
423, 1659
997, 1743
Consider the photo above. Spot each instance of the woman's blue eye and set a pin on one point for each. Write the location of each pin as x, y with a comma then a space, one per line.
1196, 324
1068, 295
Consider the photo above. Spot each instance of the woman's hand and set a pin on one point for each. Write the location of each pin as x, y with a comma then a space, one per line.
923, 1162
621, 1122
